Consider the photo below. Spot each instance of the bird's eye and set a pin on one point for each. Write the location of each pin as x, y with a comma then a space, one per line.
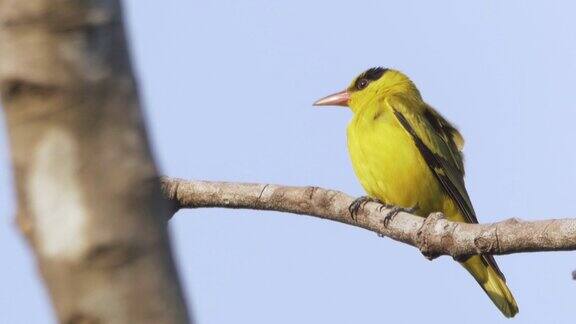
361, 84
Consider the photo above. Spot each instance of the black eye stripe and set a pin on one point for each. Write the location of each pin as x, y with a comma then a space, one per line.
374, 73
370, 75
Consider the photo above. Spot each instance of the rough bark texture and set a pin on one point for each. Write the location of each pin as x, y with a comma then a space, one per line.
89, 200
434, 235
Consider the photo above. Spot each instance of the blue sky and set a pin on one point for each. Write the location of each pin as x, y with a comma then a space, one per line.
228, 87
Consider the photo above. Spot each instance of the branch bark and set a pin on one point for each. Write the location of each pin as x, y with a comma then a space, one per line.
433, 236
89, 200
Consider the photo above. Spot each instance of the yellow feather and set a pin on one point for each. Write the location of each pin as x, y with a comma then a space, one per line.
406, 154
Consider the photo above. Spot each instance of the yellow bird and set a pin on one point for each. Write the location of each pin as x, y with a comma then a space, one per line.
407, 155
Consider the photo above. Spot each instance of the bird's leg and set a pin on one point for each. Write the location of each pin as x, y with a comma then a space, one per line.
359, 203
395, 210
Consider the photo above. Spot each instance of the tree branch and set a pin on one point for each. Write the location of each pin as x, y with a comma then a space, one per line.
433, 236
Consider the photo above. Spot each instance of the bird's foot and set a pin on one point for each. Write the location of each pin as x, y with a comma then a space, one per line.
395, 210
359, 203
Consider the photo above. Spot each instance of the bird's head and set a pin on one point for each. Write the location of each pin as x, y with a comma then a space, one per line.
371, 84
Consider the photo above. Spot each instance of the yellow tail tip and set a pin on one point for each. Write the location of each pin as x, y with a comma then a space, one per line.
499, 293
493, 284
506, 304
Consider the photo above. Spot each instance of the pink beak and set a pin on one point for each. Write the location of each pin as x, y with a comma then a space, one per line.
338, 99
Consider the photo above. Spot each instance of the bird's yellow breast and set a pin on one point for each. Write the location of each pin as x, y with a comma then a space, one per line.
389, 165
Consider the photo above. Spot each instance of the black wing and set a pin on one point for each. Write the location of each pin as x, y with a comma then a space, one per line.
447, 167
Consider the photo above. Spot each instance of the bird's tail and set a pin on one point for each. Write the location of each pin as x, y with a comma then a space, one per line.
493, 284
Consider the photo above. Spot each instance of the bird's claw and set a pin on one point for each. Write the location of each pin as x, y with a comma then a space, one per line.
395, 210
384, 206
359, 203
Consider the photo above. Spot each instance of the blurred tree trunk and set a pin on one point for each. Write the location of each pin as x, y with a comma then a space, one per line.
89, 197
